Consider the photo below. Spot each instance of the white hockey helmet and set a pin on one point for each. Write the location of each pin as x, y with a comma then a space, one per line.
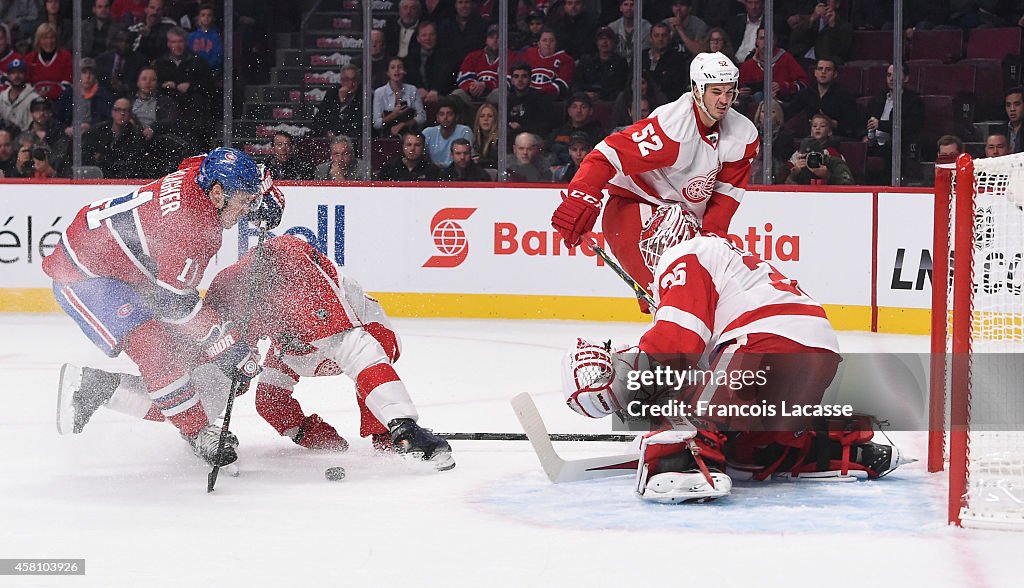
712, 68
668, 226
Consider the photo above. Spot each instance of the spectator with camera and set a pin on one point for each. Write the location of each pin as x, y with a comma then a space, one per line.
463, 168
49, 131
818, 160
33, 159
412, 165
16, 99
397, 106
343, 166
116, 145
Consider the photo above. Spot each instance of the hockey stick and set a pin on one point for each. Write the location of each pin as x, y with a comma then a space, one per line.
236, 381
561, 470
638, 290
523, 437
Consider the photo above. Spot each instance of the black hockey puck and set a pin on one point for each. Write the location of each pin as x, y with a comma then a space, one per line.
335, 474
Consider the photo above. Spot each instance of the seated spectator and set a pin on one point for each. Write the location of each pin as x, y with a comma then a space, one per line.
552, 69
7, 52
574, 28
816, 163
645, 111
341, 111
98, 100
21, 16
531, 28
788, 77
114, 146
438, 138
33, 159
485, 136
949, 148
602, 75
465, 32
151, 32
478, 74
743, 28
529, 109
412, 165
579, 146
343, 166
284, 164
783, 144
49, 65
118, 69
669, 68
188, 80
717, 41
400, 34
688, 29
98, 30
622, 108
53, 14
625, 26
463, 168
431, 68
823, 34
1014, 103
397, 106
827, 97
205, 41
580, 111
996, 145
378, 59
157, 113
16, 99
879, 124
49, 131
530, 164
128, 11
8, 155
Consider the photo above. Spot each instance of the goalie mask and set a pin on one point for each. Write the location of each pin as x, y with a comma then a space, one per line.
668, 226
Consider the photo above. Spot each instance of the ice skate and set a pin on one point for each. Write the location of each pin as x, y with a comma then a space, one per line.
674, 487
80, 392
205, 443
408, 438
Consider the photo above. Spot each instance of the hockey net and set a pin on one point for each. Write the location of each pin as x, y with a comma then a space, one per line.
977, 379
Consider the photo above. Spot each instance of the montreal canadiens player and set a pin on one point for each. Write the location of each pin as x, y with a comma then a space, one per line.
696, 151
320, 323
126, 270
735, 311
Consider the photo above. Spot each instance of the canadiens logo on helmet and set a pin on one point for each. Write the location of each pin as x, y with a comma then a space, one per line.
124, 310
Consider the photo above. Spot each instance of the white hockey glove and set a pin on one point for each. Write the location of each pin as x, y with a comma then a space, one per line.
594, 377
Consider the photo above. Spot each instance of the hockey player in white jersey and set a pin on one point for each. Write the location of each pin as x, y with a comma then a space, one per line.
733, 313
696, 151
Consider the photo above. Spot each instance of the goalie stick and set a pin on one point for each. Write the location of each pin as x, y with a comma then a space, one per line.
638, 290
562, 470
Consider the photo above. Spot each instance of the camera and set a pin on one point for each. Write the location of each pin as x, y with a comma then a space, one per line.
815, 159
39, 153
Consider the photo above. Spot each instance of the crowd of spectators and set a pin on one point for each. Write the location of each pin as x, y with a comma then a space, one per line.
149, 79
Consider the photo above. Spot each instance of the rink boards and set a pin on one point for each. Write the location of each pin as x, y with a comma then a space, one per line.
482, 251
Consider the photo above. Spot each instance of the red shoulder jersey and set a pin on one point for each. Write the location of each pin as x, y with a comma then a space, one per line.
478, 67
552, 74
301, 292
162, 236
48, 75
710, 292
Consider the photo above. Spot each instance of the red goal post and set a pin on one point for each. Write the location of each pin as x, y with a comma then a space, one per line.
977, 341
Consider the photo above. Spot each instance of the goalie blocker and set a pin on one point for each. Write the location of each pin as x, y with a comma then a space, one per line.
726, 310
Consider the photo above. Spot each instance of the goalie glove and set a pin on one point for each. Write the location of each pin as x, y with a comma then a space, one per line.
576, 215
594, 378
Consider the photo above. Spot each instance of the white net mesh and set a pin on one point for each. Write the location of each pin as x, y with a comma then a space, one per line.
995, 492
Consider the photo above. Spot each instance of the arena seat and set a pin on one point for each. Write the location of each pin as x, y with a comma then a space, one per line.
944, 45
994, 43
856, 155
383, 150
947, 79
871, 45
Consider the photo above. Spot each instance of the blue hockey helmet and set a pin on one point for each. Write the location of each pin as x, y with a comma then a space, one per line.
235, 171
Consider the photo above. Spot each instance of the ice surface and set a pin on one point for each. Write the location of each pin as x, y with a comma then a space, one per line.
129, 497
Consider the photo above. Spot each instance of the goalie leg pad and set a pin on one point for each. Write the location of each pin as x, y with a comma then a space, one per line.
682, 464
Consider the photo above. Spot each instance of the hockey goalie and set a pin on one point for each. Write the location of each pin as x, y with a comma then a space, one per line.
320, 323
729, 312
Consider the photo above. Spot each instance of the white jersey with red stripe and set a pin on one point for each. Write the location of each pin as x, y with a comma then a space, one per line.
710, 292
671, 157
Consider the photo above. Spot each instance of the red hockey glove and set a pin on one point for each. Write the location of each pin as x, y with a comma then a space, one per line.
387, 339
225, 349
576, 215
315, 433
